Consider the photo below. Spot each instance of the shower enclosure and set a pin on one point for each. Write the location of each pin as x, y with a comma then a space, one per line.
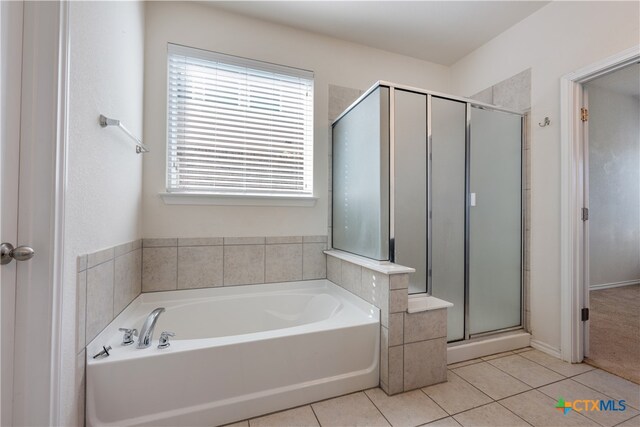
433, 182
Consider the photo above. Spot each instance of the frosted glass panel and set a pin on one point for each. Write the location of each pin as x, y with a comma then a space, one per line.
361, 178
411, 186
495, 221
448, 136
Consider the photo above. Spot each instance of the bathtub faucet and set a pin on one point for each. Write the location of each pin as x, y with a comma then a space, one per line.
146, 333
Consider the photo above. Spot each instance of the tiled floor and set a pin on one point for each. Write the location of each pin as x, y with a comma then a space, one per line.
518, 388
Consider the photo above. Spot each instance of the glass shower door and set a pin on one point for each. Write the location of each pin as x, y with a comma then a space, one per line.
495, 221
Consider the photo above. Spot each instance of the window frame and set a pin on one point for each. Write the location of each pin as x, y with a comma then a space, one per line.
170, 196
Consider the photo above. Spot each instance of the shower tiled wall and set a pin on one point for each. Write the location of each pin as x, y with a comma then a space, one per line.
413, 346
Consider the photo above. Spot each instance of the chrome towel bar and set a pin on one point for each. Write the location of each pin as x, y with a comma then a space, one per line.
106, 121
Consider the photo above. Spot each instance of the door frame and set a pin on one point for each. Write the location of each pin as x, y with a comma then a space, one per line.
36, 398
573, 275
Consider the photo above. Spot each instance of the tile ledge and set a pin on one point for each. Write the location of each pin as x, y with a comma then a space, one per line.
418, 303
384, 267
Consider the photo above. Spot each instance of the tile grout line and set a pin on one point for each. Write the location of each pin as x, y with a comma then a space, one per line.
314, 414
510, 411
375, 406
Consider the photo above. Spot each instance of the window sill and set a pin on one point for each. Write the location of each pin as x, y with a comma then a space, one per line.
236, 200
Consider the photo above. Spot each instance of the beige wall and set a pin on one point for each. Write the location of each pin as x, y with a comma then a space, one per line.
559, 38
333, 62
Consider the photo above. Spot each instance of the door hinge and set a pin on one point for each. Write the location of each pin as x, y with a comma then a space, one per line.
584, 114
585, 214
584, 314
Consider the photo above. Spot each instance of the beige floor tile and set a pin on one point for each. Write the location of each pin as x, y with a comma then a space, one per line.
491, 381
456, 395
244, 423
526, 371
492, 415
564, 368
571, 390
612, 386
407, 409
497, 355
445, 422
297, 417
633, 422
522, 350
350, 410
465, 363
539, 409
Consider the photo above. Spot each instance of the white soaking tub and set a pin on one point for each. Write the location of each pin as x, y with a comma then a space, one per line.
238, 352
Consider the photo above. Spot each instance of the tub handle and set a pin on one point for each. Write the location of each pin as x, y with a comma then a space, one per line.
127, 338
164, 339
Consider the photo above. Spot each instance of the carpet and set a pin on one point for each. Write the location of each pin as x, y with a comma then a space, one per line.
614, 336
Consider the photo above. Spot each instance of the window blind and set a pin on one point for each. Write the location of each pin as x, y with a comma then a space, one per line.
238, 126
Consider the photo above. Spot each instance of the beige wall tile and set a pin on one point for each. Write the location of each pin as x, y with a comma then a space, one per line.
244, 264
99, 257
99, 298
398, 300
384, 355
82, 263
396, 369
314, 261
396, 328
127, 247
159, 269
425, 325
81, 310
128, 279
199, 266
398, 281
375, 290
201, 241
159, 243
283, 262
244, 241
277, 240
406, 409
352, 277
334, 270
425, 363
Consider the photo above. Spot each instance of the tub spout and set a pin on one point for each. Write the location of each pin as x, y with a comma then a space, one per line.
146, 333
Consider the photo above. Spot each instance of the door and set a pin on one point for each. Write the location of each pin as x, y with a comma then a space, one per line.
11, 63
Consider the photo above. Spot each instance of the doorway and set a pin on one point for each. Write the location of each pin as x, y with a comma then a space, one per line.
612, 228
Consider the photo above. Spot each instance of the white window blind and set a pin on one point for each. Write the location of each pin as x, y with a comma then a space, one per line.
238, 126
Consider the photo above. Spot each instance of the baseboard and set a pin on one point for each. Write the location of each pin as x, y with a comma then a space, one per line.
487, 346
546, 348
613, 285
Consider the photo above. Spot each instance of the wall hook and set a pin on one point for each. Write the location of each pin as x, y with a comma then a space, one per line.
545, 122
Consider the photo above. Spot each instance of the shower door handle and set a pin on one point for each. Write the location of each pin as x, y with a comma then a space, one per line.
472, 199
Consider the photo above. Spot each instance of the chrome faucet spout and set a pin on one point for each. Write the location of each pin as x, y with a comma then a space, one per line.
146, 333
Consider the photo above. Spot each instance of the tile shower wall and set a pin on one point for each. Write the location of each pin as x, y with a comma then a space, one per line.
170, 264
413, 346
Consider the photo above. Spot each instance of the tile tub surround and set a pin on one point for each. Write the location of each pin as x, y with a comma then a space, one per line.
176, 263
413, 346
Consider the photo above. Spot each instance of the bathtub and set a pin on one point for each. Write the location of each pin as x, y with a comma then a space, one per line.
238, 352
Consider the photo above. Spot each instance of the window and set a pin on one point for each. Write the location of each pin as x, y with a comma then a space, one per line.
238, 126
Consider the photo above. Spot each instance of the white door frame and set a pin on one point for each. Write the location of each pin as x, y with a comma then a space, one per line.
573, 292
42, 178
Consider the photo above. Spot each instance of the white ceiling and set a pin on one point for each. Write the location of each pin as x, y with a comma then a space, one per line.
436, 31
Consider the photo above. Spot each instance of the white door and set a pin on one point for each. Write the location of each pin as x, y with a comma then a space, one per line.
11, 63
